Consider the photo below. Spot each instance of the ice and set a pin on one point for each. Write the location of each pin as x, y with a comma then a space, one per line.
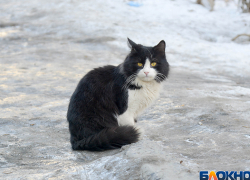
47, 46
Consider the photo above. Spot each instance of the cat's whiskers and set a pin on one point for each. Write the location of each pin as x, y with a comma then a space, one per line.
157, 79
126, 82
131, 76
160, 76
125, 86
129, 80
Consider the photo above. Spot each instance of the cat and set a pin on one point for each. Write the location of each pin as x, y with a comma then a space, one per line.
103, 109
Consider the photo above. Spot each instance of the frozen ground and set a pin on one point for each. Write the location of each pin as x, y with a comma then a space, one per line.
200, 122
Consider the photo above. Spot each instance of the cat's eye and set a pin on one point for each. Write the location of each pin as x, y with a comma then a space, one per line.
139, 64
153, 64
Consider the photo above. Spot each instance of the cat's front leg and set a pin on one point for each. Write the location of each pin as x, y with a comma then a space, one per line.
126, 119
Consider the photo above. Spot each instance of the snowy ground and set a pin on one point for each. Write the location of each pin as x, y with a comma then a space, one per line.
200, 122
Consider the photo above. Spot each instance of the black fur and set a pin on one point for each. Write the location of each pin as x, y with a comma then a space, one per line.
100, 96
134, 87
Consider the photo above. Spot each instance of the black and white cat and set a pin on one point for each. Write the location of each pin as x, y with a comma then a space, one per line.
103, 109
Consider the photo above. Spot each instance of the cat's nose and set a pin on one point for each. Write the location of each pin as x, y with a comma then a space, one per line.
146, 73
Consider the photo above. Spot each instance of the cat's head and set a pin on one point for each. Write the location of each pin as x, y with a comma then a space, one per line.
146, 63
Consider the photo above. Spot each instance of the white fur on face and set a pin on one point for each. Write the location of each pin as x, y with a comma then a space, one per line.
147, 73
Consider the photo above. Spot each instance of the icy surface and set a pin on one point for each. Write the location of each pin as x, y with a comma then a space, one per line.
200, 122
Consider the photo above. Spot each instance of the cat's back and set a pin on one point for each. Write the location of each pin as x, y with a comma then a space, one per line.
96, 85
96, 79
99, 76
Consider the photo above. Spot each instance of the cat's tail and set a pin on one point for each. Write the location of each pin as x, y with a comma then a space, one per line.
108, 138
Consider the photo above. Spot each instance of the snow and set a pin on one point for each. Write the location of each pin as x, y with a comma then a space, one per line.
201, 118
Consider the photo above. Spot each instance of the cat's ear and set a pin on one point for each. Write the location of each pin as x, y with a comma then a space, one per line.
132, 45
160, 47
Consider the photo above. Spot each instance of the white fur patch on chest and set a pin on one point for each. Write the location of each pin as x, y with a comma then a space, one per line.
138, 100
